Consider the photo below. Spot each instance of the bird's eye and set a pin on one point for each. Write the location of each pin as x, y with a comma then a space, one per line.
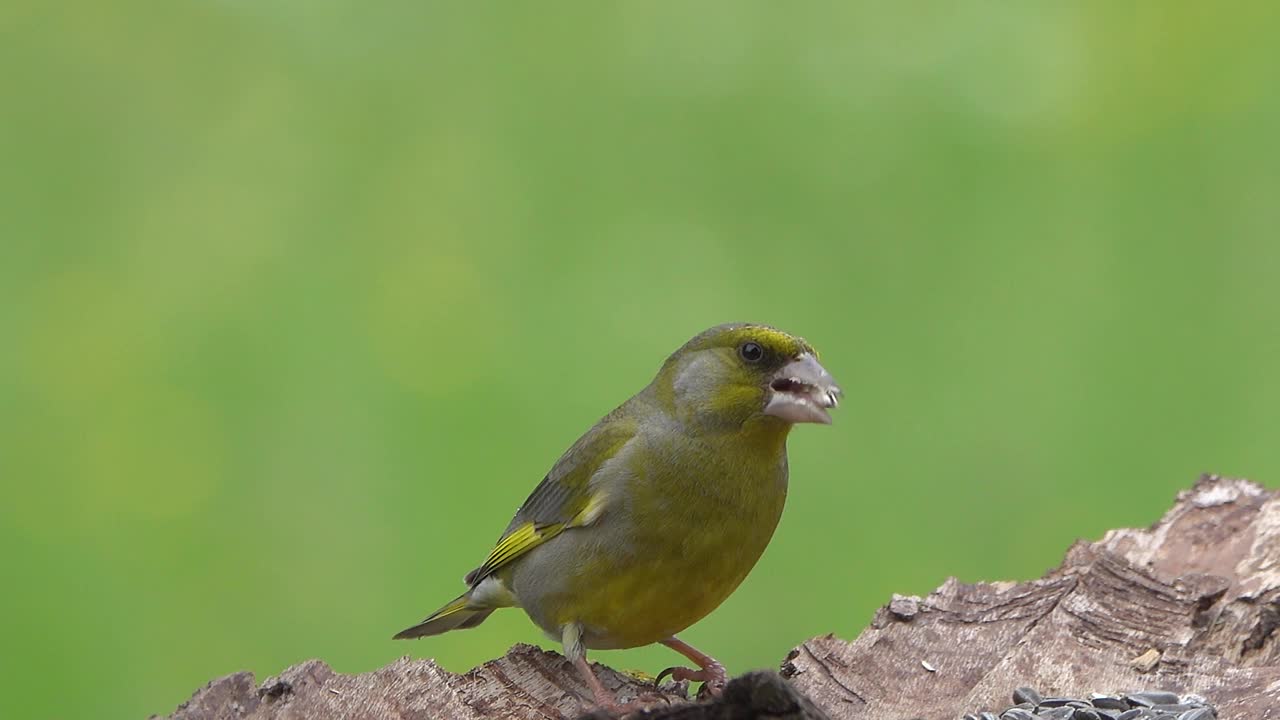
751, 352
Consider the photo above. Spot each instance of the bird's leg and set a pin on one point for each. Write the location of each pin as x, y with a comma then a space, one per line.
571, 639
603, 699
710, 672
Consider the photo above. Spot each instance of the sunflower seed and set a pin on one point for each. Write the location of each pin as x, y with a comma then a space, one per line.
1108, 702
1151, 697
1029, 704
1027, 695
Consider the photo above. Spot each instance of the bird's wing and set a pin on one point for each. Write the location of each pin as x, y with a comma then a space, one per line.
566, 497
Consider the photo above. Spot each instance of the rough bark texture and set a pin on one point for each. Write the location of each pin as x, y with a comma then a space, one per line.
1191, 605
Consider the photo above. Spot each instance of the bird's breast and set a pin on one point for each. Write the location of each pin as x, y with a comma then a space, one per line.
685, 538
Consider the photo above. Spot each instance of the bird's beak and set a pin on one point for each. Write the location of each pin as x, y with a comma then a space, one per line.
802, 391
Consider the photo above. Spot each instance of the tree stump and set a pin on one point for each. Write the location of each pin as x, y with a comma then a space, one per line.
1191, 605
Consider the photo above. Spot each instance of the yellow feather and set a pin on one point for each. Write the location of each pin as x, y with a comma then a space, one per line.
595, 505
518, 542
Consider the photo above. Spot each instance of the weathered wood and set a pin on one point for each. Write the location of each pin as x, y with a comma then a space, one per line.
1201, 588
526, 683
1191, 604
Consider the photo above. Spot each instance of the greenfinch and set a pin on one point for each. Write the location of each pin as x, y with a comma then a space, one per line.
655, 515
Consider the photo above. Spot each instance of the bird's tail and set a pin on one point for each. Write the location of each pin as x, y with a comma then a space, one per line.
457, 615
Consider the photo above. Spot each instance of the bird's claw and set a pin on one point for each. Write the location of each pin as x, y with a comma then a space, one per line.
712, 678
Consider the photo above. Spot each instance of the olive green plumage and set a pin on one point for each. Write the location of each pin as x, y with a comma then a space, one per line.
655, 515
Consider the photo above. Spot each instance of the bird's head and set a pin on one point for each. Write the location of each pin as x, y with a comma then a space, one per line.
732, 374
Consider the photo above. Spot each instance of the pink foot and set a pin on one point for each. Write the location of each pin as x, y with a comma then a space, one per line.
711, 673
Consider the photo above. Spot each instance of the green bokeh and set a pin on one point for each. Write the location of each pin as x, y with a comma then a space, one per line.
300, 299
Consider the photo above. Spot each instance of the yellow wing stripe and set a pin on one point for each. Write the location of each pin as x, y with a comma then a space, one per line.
518, 542
453, 607
530, 535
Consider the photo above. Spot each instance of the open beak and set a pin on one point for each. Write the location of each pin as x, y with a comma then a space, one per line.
802, 392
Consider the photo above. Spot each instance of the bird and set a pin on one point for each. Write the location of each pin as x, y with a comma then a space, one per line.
652, 518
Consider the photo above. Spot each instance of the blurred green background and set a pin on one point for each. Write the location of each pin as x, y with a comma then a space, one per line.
300, 299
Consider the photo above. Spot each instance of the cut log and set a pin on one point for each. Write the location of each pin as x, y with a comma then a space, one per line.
1190, 605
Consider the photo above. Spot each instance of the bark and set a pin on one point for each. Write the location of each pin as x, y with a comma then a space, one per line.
1191, 604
